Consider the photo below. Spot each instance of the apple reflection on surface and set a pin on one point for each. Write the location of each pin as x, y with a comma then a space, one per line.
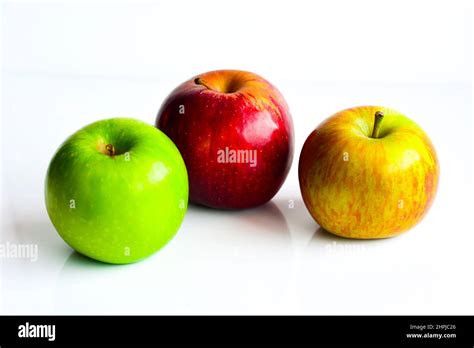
220, 262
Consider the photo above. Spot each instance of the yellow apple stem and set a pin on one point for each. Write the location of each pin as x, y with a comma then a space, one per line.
377, 122
199, 81
110, 149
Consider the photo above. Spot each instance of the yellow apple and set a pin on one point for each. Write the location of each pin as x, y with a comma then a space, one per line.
368, 172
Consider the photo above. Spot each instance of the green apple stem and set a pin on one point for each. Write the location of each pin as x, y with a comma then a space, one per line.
110, 149
199, 81
377, 122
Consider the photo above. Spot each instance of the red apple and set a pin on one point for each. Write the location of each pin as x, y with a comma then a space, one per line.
235, 133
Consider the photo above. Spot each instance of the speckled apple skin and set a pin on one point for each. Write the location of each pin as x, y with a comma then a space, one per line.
117, 209
356, 186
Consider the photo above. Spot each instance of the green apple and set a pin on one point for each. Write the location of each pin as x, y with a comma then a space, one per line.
117, 190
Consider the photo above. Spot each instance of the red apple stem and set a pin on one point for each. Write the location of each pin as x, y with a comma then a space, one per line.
110, 149
199, 81
377, 122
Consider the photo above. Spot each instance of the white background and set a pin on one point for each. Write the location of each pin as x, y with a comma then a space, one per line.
67, 64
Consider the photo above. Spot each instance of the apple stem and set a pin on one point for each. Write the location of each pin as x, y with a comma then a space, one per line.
110, 149
377, 122
199, 81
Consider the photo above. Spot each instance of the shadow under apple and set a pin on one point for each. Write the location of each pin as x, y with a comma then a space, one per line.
267, 219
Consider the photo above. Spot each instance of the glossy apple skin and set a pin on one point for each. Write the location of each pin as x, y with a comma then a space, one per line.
238, 110
125, 207
356, 186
